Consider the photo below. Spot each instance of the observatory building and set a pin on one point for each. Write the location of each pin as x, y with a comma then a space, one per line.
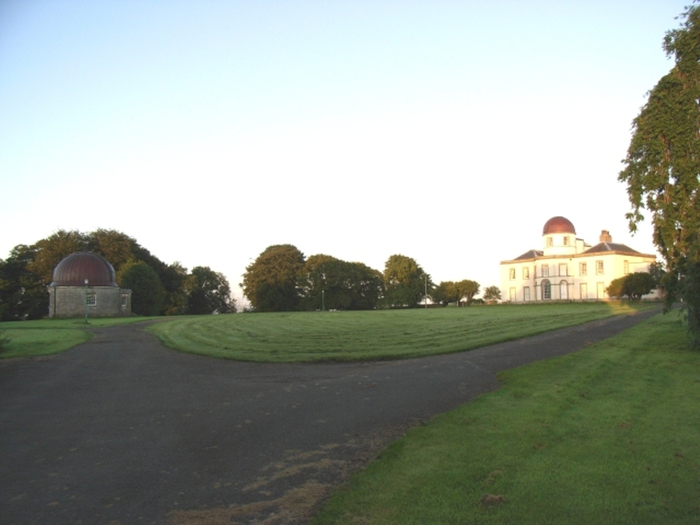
85, 283
567, 268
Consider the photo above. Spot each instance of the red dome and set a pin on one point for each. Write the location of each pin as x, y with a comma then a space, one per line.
74, 269
558, 225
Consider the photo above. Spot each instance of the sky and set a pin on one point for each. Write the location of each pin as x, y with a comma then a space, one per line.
447, 131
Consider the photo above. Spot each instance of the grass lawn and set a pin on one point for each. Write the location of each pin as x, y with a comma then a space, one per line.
608, 435
50, 336
371, 335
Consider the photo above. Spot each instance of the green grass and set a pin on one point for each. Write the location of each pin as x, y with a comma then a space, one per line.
371, 335
51, 336
608, 435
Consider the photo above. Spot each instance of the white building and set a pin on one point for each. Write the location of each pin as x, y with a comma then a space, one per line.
567, 268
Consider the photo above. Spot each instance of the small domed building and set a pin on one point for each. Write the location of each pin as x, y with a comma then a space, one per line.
567, 268
85, 281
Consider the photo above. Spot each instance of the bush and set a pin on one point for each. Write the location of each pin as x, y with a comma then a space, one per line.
4, 340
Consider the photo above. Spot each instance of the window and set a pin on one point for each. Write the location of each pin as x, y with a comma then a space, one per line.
526, 272
599, 268
582, 269
563, 270
566, 240
584, 290
550, 241
546, 290
526, 294
511, 295
511, 274
563, 290
625, 267
125, 301
91, 299
545, 270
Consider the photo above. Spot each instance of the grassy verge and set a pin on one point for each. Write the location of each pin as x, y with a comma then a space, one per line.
383, 334
51, 336
608, 435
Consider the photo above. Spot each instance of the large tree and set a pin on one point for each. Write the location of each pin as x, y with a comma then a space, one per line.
455, 292
23, 294
208, 292
662, 168
147, 292
327, 282
270, 282
492, 294
405, 282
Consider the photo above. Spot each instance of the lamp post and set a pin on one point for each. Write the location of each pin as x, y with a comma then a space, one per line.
86, 305
425, 297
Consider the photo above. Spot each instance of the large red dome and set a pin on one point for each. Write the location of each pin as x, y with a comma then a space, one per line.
74, 269
558, 225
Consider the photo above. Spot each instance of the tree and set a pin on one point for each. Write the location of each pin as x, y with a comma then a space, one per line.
492, 294
467, 289
208, 292
405, 282
633, 286
270, 282
327, 282
454, 292
174, 279
23, 294
147, 292
662, 166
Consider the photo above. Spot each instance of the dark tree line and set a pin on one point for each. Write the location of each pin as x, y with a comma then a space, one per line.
157, 288
283, 279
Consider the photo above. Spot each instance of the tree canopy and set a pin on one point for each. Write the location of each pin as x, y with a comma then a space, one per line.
455, 292
208, 292
633, 286
662, 167
492, 294
147, 292
327, 282
405, 282
270, 282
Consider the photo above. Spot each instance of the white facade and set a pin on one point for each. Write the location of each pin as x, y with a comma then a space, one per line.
567, 268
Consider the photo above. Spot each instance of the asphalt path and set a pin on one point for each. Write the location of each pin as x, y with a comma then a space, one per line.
121, 430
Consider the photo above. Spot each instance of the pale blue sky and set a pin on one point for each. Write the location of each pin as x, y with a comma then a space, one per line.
208, 130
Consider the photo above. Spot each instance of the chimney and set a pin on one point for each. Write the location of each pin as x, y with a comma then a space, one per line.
605, 236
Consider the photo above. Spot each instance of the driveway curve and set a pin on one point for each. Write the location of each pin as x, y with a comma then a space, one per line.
121, 430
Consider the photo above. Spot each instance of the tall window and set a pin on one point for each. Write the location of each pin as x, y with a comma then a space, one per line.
625, 267
599, 269
566, 240
563, 269
582, 269
91, 299
526, 272
511, 274
563, 290
526, 294
546, 290
545, 270
550, 241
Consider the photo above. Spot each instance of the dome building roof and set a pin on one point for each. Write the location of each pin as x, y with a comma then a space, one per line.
558, 225
74, 269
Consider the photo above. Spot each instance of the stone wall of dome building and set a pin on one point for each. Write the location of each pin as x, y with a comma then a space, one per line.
567, 268
85, 283
101, 301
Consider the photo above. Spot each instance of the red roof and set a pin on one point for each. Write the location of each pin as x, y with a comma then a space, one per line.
74, 269
558, 225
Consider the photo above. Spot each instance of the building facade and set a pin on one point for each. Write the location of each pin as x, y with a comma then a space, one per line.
567, 268
85, 283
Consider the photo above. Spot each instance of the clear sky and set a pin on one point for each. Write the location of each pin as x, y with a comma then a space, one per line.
448, 131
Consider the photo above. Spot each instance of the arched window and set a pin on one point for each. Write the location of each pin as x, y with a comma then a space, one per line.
564, 290
546, 290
